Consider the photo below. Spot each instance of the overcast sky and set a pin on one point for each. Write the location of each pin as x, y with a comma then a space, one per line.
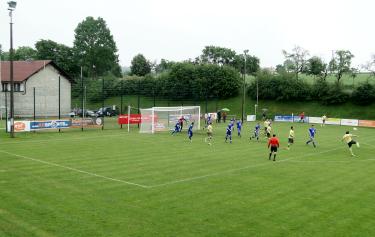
179, 30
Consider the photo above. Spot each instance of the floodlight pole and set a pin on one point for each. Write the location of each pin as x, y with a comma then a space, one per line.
243, 87
11, 9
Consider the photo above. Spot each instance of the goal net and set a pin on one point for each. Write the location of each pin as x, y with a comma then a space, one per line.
158, 119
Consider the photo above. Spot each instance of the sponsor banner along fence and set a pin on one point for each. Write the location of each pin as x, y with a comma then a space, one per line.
132, 119
366, 123
49, 124
315, 120
333, 121
250, 118
349, 122
87, 123
298, 119
282, 118
20, 126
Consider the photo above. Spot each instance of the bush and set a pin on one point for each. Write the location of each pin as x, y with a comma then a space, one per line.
364, 94
335, 95
283, 87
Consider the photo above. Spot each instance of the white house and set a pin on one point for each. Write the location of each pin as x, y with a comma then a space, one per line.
44, 77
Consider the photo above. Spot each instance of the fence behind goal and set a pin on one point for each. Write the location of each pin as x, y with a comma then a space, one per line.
158, 119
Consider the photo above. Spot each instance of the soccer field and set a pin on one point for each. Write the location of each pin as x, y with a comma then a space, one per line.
114, 183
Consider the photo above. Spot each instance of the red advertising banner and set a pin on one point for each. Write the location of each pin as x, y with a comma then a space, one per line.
367, 123
134, 119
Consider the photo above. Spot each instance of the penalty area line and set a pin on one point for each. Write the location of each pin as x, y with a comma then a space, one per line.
76, 170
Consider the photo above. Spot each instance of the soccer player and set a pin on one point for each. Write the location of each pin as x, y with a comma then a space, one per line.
302, 117
312, 132
256, 132
190, 131
239, 126
209, 134
291, 137
266, 124
324, 118
348, 138
268, 131
274, 144
181, 121
229, 132
176, 128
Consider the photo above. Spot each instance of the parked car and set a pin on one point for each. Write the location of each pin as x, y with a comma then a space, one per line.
78, 112
106, 111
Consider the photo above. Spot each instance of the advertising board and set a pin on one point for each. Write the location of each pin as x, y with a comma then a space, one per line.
366, 123
349, 122
283, 118
49, 124
250, 118
20, 126
133, 119
315, 120
333, 121
87, 123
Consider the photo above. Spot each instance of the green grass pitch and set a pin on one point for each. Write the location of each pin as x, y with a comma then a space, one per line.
111, 183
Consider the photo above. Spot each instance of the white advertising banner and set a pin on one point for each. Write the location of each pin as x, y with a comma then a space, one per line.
20, 126
333, 121
350, 122
250, 118
315, 120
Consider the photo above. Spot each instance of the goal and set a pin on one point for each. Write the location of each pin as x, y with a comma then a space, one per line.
158, 119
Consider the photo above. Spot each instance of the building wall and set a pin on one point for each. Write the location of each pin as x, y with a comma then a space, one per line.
46, 83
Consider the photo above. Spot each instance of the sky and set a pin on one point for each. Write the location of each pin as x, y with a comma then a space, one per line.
178, 29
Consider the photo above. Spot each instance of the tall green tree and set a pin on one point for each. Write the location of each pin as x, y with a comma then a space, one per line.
95, 48
140, 66
252, 64
60, 54
316, 66
217, 55
25, 53
341, 63
298, 58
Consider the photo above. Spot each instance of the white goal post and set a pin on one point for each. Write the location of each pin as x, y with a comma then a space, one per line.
158, 119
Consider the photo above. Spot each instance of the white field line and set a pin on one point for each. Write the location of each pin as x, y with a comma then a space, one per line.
237, 169
74, 169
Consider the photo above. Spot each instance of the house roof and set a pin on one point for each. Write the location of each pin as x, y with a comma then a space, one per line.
23, 70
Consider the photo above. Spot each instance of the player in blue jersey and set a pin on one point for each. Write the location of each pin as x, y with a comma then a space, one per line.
229, 131
239, 127
312, 132
256, 132
190, 131
177, 128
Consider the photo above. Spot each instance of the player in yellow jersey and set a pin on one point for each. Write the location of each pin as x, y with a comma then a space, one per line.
209, 134
348, 138
290, 137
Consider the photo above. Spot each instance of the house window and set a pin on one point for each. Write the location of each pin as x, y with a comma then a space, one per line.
5, 87
18, 87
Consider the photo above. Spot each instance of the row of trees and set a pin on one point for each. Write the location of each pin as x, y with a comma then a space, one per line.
286, 87
94, 50
183, 81
215, 55
297, 61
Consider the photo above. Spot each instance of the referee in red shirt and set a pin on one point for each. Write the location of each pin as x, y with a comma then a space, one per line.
274, 144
